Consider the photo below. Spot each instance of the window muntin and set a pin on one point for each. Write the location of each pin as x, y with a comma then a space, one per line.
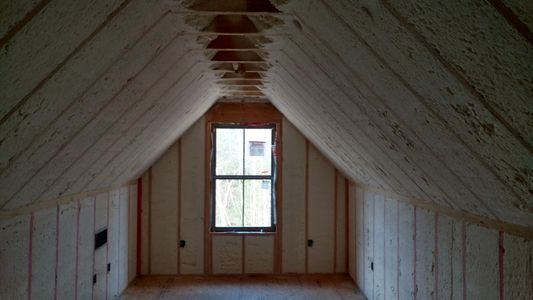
242, 177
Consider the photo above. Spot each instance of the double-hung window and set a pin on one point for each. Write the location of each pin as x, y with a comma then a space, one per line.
243, 178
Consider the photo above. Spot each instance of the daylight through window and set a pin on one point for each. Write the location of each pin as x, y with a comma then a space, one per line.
243, 178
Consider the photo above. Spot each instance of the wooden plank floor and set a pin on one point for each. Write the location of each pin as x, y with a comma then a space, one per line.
261, 287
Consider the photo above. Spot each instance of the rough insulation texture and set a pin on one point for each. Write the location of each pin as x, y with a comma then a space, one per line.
160, 215
54, 249
113, 243
67, 254
368, 244
445, 142
379, 249
518, 268
390, 249
140, 70
449, 271
481, 262
428, 101
294, 205
145, 230
163, 214
438, 256
43, 253
406, 248
14, 253
431, 102
101, 218
192, 199
259, 255
357, 239
11, 13
354, 230
132, 234
88, 145
340, 225
227, 259
321, 213
123, 233
425, 254
85, 248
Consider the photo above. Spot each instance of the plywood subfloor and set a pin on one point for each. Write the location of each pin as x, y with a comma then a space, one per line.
307, 287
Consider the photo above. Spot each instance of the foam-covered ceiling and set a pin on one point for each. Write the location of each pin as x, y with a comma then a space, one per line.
428, 100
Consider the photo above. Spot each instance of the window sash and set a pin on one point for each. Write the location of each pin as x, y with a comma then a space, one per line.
243, 177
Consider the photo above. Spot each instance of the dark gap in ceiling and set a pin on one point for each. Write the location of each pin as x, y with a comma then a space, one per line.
232, 42
240, 88
236, 56
250, 94
245, 75
231, 24
249, 67
240, 82
234, 6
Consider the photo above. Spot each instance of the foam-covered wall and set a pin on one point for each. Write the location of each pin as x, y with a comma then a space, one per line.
173, 209
428, 101
399, 250
49, 253
88, 85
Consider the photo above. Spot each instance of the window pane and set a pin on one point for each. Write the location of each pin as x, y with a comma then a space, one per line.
229, 156
257, 204
229, 203
258, 155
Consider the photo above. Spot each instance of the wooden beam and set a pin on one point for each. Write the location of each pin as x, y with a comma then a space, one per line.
244, 13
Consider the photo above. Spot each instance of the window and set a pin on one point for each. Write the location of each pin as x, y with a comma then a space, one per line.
242, 178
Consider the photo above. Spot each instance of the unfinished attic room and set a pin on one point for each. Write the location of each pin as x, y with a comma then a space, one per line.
266, 149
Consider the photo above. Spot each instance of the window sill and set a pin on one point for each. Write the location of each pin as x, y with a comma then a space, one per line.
234, 233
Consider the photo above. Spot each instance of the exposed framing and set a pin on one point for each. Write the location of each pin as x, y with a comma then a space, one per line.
179, 182
306, 205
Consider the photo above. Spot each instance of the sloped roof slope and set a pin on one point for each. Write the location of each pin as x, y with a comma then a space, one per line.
429, 101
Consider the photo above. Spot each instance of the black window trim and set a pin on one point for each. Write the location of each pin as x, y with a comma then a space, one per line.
272, 177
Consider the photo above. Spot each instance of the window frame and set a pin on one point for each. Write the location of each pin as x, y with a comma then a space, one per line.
272, 177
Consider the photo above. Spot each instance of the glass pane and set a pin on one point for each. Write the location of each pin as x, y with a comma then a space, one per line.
229, 156
228, 203
257, 203
258, 151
